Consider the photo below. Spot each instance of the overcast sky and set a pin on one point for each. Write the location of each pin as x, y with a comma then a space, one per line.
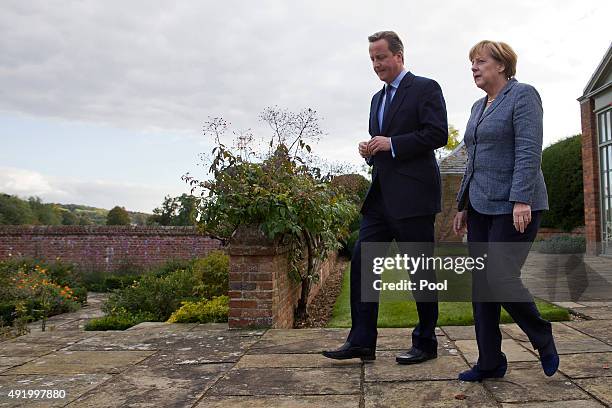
102, 102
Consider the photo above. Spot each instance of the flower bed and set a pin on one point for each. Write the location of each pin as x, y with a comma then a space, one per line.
35, 290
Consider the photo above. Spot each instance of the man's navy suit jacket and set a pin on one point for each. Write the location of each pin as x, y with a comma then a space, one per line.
417, 125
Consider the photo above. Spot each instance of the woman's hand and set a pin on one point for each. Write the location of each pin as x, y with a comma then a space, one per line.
460, 223
521, 216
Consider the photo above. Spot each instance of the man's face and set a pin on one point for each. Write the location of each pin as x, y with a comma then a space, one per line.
386, 64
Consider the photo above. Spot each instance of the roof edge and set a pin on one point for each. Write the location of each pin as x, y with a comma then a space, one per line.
598, 71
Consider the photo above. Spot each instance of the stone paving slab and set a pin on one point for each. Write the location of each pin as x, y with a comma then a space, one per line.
558, 404
531, 385
196, 356
586, 365
587, 345
601, 388
23, 348
431, 394
154, 386
74, 385
386, 369
163, 327
294, 360
81, 362
9, 362
400, 338
514, 351
286, 341
595, 303
568, 340
288, 381
464, 333
280, 401
66, 337
211, 342
594, 328
597, 313
569, 305
514, 332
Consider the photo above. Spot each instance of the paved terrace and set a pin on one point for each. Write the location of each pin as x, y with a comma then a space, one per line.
193, 365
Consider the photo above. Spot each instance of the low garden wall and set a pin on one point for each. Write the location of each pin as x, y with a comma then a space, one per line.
545, 233
105, 248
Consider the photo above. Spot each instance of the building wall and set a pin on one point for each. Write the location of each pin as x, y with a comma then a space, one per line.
590, 176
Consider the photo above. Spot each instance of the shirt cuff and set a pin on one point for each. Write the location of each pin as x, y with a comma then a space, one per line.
392, 151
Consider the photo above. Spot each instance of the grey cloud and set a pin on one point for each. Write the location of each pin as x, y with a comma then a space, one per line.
159, 65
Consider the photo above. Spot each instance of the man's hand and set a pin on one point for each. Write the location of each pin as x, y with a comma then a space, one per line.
379, 144
521, 216
460, 223
363, 150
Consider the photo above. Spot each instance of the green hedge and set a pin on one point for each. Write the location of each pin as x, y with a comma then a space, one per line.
562, 168
561, 245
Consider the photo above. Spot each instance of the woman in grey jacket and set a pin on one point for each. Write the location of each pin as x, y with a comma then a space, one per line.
500, 201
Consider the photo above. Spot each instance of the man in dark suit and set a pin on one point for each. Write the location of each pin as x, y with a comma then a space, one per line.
407, 123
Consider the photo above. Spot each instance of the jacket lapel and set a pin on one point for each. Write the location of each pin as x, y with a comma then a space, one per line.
498, 100
374, 112
398, 98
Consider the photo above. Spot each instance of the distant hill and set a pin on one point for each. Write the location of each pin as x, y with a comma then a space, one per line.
98, 215
16, 211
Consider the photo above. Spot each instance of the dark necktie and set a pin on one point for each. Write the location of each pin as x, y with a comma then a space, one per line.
388, 89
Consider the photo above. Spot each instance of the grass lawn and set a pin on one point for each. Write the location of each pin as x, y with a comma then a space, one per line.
404, 314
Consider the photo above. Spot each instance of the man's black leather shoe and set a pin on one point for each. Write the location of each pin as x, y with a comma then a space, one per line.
347, 351
415, 356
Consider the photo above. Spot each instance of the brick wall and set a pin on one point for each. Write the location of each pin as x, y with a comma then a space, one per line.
545, 233
261, 292
105, 248
590, 176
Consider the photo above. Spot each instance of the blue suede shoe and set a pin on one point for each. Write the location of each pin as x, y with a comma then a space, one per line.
550, 360
476, 374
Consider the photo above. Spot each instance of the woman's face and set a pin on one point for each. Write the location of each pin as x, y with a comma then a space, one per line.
487, 72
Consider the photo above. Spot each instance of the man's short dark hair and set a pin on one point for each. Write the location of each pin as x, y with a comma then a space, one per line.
395, 44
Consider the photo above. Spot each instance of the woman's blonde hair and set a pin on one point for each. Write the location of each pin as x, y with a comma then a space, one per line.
500, 51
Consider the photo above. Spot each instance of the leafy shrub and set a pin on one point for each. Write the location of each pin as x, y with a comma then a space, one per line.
352, 240
7, 312
121, 320
212, 274
159, 296
354, 186
102, 282
562, 168
562, 245
204, 311
30, 288
172, 265
65, 274
128, 273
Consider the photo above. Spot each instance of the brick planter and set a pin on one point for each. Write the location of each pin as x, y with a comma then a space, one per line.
260, 290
